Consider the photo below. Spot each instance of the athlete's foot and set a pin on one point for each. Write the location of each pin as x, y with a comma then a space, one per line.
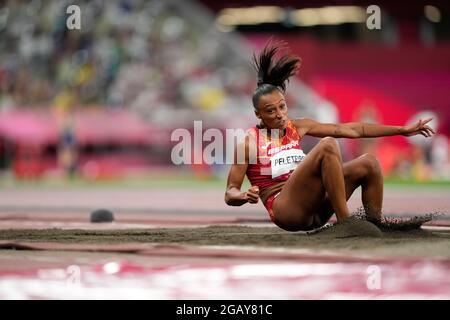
377, 220
393, 224
372, 215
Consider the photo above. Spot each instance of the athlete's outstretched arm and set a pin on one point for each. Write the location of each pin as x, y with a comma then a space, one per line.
360, 130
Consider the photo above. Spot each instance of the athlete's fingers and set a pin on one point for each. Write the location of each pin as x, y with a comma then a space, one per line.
254, 189
252, 196
424, 132
252, 199
426, 120
429, 129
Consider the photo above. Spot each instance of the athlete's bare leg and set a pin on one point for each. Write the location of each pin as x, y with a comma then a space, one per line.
319, 175
363, 171
305, 203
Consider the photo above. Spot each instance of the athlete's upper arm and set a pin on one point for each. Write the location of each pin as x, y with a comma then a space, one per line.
236, 176
305, 126
316, 129
240, 163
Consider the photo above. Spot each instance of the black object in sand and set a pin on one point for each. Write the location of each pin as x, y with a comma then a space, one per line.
102, 215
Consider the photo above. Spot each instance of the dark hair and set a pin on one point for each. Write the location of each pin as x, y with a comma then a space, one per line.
272, 74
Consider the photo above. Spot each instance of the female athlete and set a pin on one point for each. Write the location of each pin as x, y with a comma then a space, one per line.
302, 192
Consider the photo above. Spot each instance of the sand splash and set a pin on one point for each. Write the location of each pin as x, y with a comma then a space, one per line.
362, 225
398, 224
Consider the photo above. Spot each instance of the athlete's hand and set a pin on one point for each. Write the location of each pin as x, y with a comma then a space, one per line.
252, 194
419, 127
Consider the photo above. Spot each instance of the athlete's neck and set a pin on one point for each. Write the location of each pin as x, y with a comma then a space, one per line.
273, 133
276, 133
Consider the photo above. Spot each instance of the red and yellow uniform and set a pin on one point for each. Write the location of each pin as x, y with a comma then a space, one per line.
276, 158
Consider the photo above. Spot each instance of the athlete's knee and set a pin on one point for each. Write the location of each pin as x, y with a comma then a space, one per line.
370, 164
330, 145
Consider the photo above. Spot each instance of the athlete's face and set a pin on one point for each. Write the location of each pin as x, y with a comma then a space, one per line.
272, 110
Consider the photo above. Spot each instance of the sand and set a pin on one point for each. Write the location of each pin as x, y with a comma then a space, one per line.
352, 227
418, 242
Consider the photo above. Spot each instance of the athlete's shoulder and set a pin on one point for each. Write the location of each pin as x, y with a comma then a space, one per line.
246, 145
251, 132
249, 138
302, 122
302, 125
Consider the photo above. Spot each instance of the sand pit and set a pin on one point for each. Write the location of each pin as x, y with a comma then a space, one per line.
418, 243
361, 225
350, 228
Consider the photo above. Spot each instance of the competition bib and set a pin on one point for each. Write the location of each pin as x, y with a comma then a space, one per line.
285, 161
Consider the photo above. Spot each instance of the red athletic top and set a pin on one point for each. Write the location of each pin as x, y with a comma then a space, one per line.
276, 159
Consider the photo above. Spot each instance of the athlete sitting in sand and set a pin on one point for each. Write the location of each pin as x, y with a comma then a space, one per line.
301, 192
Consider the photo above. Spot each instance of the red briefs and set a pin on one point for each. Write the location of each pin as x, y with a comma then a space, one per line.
269, 205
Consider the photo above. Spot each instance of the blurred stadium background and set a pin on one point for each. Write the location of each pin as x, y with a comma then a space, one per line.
86, 118
100, 102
